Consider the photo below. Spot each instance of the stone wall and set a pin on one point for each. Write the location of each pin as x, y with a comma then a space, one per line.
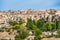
51, 39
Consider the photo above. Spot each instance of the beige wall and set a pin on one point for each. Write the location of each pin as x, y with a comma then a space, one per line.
26, 14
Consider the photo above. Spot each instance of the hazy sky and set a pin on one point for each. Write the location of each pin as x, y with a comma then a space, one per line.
26, 4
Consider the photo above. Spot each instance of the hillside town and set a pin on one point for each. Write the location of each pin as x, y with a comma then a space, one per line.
50, 15
7, 18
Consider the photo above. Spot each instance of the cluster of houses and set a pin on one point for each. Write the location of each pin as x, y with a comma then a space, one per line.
6, 16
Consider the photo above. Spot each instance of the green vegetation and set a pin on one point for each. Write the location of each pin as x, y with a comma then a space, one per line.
38, 27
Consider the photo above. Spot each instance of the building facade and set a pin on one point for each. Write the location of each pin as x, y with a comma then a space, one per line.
49, 15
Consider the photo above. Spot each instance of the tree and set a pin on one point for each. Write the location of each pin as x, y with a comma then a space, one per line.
53, 24
12, 23
58, 24
29, 24
37, 33
21, 30
48, 26
58, 35
22, 34
38, 38
40, 23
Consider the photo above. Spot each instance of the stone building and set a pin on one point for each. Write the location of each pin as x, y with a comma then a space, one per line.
49, 15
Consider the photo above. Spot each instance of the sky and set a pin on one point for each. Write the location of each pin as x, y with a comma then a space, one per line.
26, 4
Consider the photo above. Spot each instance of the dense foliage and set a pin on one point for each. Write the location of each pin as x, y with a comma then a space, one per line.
37, 27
